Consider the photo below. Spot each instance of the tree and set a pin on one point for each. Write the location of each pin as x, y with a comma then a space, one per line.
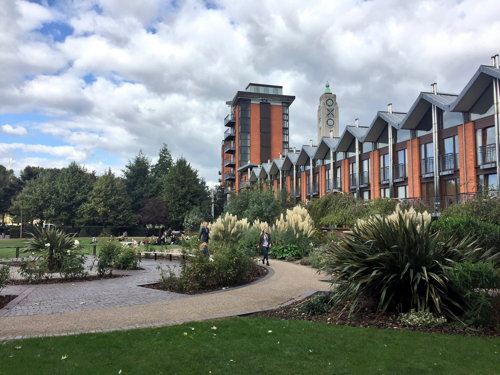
182, 189
10, 185
255, 205
138, 180
38, 198
108, 203
219, 200
161, 168
153, 212
72, 186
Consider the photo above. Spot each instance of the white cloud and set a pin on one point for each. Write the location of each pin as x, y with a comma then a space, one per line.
162, 71
14, 130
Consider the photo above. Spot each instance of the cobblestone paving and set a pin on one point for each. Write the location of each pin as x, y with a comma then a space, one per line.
89, 295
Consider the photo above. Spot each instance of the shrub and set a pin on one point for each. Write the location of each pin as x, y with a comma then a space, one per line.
107, 255
34, 270
193, 219
486, 235
285, 252
382, 206
337, 209
318, 305
256, 205
4, 276
483, 207
126, 259
249, 240
421, 319
51, 242
314, 259
73, 265
473, 280
228, 229
397, 261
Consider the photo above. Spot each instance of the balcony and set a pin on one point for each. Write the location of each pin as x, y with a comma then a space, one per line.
229, 120
399, 172
364, 178
228, 189
229, 134
384, 175
229, 147
229, 161
244, 184
229, 176
487, 156
353, 181
447, 163
427, 167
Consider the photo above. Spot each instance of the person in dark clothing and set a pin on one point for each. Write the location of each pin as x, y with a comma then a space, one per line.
265, 243
204, 232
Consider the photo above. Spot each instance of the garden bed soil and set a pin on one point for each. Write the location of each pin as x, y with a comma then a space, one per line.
367, 317
4, 300
258, 273
59, 280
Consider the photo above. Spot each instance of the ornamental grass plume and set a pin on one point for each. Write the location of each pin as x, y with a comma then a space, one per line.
297, 220
228, 228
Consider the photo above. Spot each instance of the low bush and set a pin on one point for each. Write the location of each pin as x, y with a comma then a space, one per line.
337, 209
318, 305
249, 240
126, 259
285, 252
4, 276
483, 207
108, 253
486, 235
34, 269
473, 280
73, 265
314, 259
421, 319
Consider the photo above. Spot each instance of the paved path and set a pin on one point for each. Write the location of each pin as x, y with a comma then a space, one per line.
145, 307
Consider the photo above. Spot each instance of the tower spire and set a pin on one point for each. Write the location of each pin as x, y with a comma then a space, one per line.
327, 88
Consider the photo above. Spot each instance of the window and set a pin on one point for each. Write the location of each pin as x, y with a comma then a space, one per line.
338, 179
427, 190
353, 173
384, 167
488, 182
365, 172
486, 147
427, 158
384, 193
365, 195
402, 191
451, 119
402, 135
329, 175
400, 164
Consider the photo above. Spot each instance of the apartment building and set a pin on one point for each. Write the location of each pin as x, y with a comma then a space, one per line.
257, 132
444, 149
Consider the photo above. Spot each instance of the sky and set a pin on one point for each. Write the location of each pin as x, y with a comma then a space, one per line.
96, 81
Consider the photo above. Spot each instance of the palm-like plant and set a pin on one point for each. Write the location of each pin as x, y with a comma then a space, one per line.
399, 262
52, 243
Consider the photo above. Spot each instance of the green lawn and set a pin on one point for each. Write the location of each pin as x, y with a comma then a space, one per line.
252, 346
7, 247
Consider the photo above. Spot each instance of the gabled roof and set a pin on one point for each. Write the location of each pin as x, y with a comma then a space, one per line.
479, 82
266, 167
380, 123
350, 133
276, 166
423, 103
257, 172
290, 160
306, 153
324, 147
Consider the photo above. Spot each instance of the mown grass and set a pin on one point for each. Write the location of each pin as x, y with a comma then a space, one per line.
252, 346
8, 251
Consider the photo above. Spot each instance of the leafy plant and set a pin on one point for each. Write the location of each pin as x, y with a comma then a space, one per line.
4, 276
249, 240
337, 209
126, 259
34, 269
285, 252
107, 254
483, 207
52, 242
318, 305
73, 265
399, 262
421, 319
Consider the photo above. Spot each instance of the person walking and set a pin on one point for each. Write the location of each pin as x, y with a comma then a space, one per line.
204, 232
265, 243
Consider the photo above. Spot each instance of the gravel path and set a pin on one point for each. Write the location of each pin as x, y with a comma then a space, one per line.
113, 304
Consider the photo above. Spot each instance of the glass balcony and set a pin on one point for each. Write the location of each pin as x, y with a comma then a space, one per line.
229, 147
229, 161
400, 171
229, 120
487, 154
364, 178
384, 174
229, 176
447, 162
427, 166
353, 181
229, 134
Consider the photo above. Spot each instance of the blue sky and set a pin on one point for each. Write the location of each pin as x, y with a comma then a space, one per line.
95, 81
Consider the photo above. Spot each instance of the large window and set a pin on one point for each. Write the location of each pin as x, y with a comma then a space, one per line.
286, 127
400, 164
338, 179
427, 158
365, 172
353, 174
384, 167
488, 182
329, 175
244, 132
486, 146
402, 191
449, 159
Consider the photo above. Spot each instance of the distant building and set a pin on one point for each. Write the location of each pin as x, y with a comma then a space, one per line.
328, 114
257, 132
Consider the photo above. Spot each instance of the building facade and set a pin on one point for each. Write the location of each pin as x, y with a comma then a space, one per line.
328, 114
257, 132
443, 150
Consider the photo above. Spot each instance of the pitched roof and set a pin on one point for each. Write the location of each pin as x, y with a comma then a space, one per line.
350, 133
380, 122
306, 153
324, 147
423, 103
479, 82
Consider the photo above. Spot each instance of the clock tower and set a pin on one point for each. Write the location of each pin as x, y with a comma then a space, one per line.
328, 114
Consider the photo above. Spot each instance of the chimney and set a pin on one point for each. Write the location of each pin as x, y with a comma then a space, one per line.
331, 133
495, 62
310, 142
268, 161
434, 88
280, 156
356, 122
389, 107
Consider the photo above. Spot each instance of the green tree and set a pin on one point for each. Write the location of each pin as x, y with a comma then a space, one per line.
255, 205
154, 212
182, 189
38, 198
161, 168
138, 180
10, 185
72, 186
219, 200
108, 203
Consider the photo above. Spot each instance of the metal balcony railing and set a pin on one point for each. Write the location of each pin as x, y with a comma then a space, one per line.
229, 120
229, 147
229, 161
447, 162
427, 165
364, 178
384, 174
400, 171
229, 176
244, 184
229, 133
353, 180
487, 154
315, 189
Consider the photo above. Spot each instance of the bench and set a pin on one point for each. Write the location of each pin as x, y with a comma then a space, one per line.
157, 254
